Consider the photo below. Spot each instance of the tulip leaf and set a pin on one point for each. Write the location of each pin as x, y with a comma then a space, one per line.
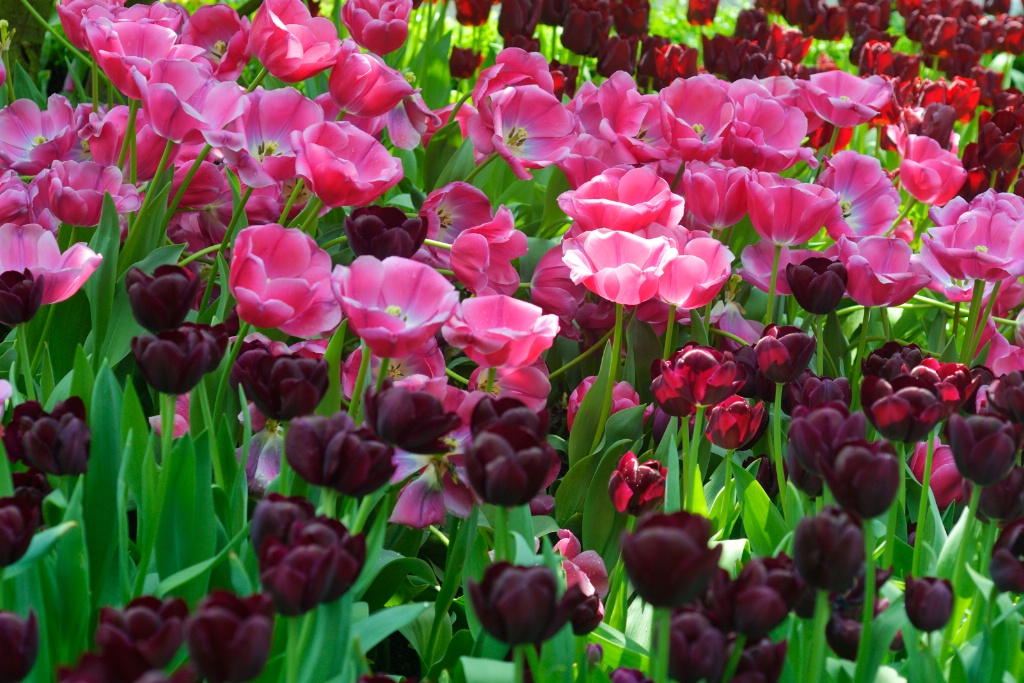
581, 439
331, 402
459, 164
444, 144
764, 526
180, 578
42, 543
572, 490
884, 629
373, 630
393, 571
668, 455
100, 286
619, 650
71, 575
145, 236
602, 524
951, 548
475, 670
25, 87
553, 219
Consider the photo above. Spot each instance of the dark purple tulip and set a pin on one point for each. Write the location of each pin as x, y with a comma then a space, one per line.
21, 295
229, 637
588, 615
414, 421
760, 597
56, 443
1004, 500
892, 360
19, 644
510, 412
828, 550
1007, 564
818, 284
508, 466
696, 376
31, 485
145, 635
161, 301
520, 605
463, 63
783, 353
735, 425
518, 17
623, 675
668, 560
843, 635
810, 483
174, 361
282, 386
756, 386
382, 231
816, 434
632, 17
19, 519
864, 477
929, 603
904, 410
697, 649
617, 54
333, 452
1006, 395
761, 662
984, 447
319, 562
811, 391
635, 488
275, 516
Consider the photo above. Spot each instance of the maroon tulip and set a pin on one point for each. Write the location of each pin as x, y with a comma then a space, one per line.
472, 12
632, 17
56, 443
1006, 395
929, 603
463, 63
842, 633
508, 412
1007, 564
701, 12
587, 615
319, 562
761, 662
519, 18
617, 54
275, 516
414, 421
229, 637
1004, 500
584, 30
635, 488
19, 519
803, 479
282, 386
892, 360
21, 295
697, 649
783, 353
174, 361
334, 453
864, 477
520, 605
904, 410
735, 425
382, 231
668, 560
984, 447
828, 549
760, 598
145, 635
696, 376
953, 383
818, 284
508, 465
811, 391
161, 301
19, 643
624, 675
815, 434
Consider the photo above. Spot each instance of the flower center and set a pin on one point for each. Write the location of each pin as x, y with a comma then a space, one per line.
516, 139
219, 48
698, 128
38, 140
267, 148
844, 98
981, 248
395, 371
846, 207
394, 310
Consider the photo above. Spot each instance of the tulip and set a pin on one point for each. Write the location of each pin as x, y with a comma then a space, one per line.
73, 191
290, 43
904, 410
19, 641
145, 635
696, 376
335, 453
19, 518
845, 100
843, 634
508, 412
182, 100
695, 114
624, 199
275, 516
520, 605
174, 361
1001, 501
383, 231
361, 83
32, 139
229, 637
617, 266
818, 284
512, 67
761, 661
929, 173
464, 62
281, 279
984, 448
1006, 395
977, 241
342, 165
21, 295
104, 134
946, 483
783, 353
814, 434
868, 200
584, 30
623, 397
624, 675
15, 203
414, 421
472, 12
225, 37
668, 560
281, 386
891, 360
507, 465
56, 443
766, 135
161, 301
1007, 564
380, 26
716, 196
881, 271
786, 212
499, 331
828, 550
735, 425
636, 488
422, 371
697, 274
697, 650
481, 256
929, 603
863, 477
583, 568
811, 391
316, 565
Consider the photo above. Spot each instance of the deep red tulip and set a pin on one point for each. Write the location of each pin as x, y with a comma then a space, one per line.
1007, 564
735, 425
414, 421
145, 635
906, 409
812, 391
818, 284
56, 442
275, 516
816, 433
864, 477
229, 637
282, 386
984, 447
161, 301
174, 361
696, 376
637, 488
520, 605
929, 603
783, 353
19, 643
334, 453
21, 295
697, 649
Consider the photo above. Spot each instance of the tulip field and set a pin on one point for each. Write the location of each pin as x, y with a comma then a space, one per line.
495, 341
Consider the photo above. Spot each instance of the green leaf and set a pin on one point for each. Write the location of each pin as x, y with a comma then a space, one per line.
553, 218
457, 166
378, 626
618, 649
145, 236
883, 631
42, 543
668, 454
762, 522
178, 579
458, 553
475, 670
581, 439
331, 402
100, 285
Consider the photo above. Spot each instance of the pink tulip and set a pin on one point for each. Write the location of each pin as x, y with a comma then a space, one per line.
758, 260
182, 100
424, 370
224, 35
499, 331
583, 568
342, 165
380, 26
623, 396
410, 121
363, 85
695, 114
208, 187
73, 191
955, 290
31, 139
512, 67
526, 126
15, 202
456, 207
618, 266
716, 196
844, 99
554, 291
34, 247
978, 241
439, 489
946, 482
697, 274
528, 384
867, 198
282, 280
258, 145
929, 173
623, 198
290, 43
181, 416
729, 316
481, 256
104, 136
72, 13
881, 271
767, 132
785, 211
394, 305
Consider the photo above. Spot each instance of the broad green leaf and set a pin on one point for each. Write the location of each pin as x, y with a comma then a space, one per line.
485, 671
581, 439
618, 649
374, 629
762, 522
178, 579
100, 479
100, 286
42, 543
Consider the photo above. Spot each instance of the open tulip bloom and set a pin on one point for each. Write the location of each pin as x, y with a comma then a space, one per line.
570, 340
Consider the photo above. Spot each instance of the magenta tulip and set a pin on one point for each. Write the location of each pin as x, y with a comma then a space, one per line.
342, 165
363, 85
381, 26
73, 191
622, 198
499, 331
929, 173
34, 248
291, 43
881, 271
787, 212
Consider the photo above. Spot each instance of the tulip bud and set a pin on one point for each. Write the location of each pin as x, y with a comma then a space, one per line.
161, 301
21, 295
282, 387
1006, 395
761, 661
984, 447
19, 643
464, 61
843, 635
275, 516
783, 353
508, 412
760, 598
56, 443
696, 376
1004, 500
815, 434
864, 477
229, 637
508, 466
383, 231
173, 362
892, 360
19, 518
588, 615
802, 478
334, 453
1007, 564
697, 649
414, 421
735, 425
145, 635
929, 603
818, 284
636, 489
828, 550
811, 391
668, 560
520, 605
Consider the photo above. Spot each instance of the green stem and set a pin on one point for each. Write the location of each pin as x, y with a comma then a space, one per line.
228, 236
198, 255
296, 191
868, 614
727, 504
670, 331
519, 657
903, 214
861, 348
734, 658
147, 202
314, 215
173, 206
768, 315
58, 35
966, 541
690, 481
476, 170
236, 348
256, 81
613, 374
355, 408
382, 374
597, 346
456, 376
822, 612
886, 327
293, 662
437, 245
820, 352
922, 506
489, 382
780, 475
366, 506
661, 628
26, 362
977, 294
332, 243
889, 553
501, 535
328, 502
129, 132
979, 328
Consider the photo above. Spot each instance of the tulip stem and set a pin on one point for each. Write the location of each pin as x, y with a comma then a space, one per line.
198, 255
236, 348
313, 208
26, 360
768, 315
889, 552
437, 245
598, 345
484, 164
966, 541
868, 612
613, 375
228, 236
355, 408
382, 374
296, 191
661, 627
727, 504
734, 658
256, 81
501, 539
903, 214
328, 502
298, 633
822, 612
129, 133
922, 506
780, 474
37, 354
690, 482
979, 327
670, 332
167, 409
521, 667
861, 348
977, 294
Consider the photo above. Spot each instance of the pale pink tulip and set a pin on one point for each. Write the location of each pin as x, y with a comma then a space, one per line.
71, 14
623, 198
363, 85
410, 121
31, 139
381, 26
34, 247
618, 266
716, 196
499, 331
182, 100
697, 274
290, 43
881, 271
787, 212
15, 202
